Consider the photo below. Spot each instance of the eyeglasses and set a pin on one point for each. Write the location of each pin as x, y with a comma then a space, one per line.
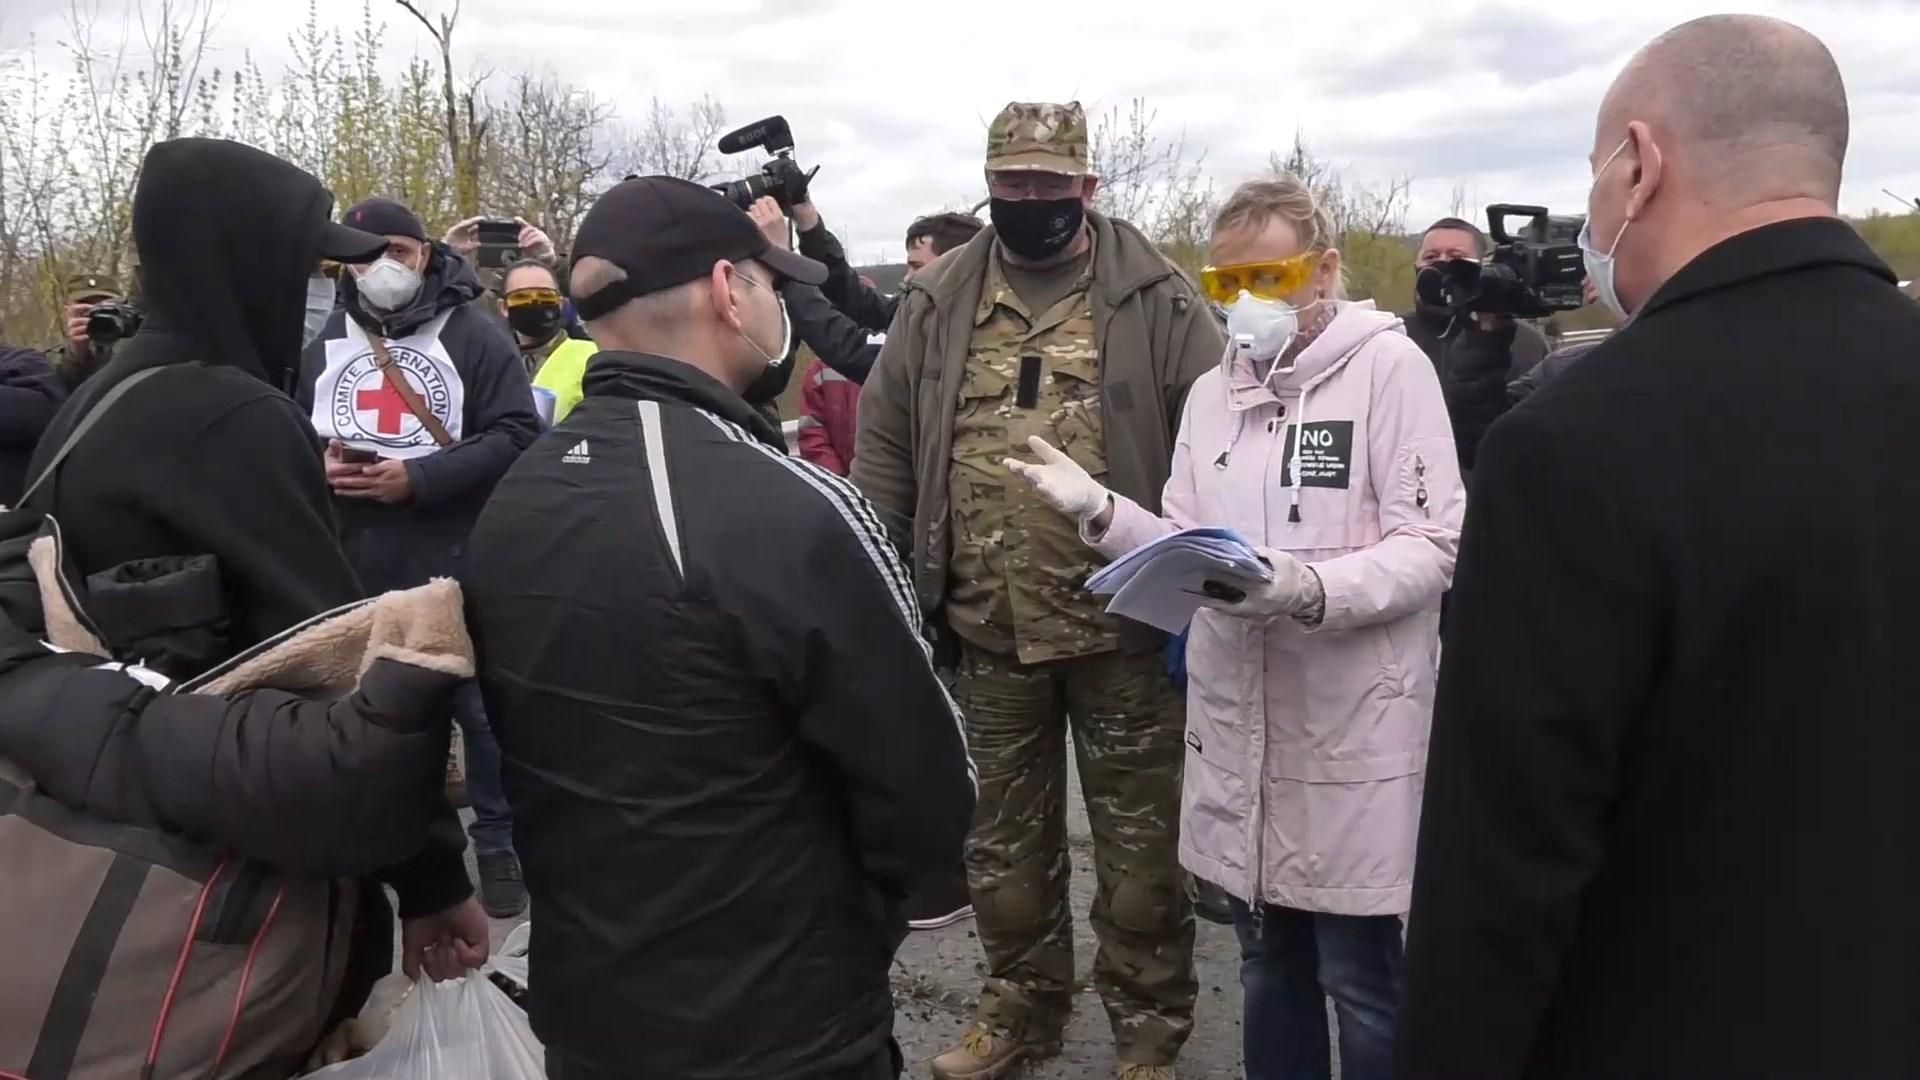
1276, 280
1031, 184
535, 297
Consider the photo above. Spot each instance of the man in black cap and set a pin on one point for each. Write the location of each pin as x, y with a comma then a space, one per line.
424, 404
729, 758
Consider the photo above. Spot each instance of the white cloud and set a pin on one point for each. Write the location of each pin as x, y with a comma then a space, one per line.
891, 99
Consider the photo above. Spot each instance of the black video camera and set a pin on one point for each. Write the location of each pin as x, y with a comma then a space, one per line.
1530, 275
781, 178
112, 321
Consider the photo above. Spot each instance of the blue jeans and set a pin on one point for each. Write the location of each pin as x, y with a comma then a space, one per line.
1288, 970
492, 828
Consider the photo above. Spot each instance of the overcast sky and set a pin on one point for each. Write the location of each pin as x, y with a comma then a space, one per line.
891, 97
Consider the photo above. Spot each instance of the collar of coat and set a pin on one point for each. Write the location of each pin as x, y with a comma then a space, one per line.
645, 377
1124, 262
1779, 248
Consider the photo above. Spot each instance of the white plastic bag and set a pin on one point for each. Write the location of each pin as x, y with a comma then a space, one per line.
510, 959
463, 1029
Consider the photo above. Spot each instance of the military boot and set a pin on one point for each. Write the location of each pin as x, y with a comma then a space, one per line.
986, 1054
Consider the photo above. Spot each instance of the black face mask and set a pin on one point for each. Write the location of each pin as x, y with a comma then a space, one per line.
1038, 229
535, 322
770, 385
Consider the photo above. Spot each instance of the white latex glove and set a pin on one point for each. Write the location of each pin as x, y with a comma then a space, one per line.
1060, 482
1295, 590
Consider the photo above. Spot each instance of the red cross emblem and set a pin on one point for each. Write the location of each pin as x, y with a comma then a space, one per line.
386, 404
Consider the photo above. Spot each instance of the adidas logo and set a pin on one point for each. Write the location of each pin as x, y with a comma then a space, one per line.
579, 455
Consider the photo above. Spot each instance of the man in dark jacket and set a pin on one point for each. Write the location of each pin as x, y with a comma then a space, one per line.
1476, 357
207, 457
30, 393
1670, 807
424, 403
750, 727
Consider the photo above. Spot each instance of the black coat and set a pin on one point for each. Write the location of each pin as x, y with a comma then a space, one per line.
866, 306
1475, 367
842, 344
1670, 812
727, 752
30, 394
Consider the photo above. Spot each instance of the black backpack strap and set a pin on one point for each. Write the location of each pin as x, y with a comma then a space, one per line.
85, 425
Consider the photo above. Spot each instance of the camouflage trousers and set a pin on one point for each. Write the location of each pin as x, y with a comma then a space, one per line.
1126, 723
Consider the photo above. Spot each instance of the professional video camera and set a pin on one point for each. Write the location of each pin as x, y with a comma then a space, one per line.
781, 178
112, 321
1531, 274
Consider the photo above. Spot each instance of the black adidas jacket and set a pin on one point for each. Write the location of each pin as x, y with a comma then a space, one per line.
727, 752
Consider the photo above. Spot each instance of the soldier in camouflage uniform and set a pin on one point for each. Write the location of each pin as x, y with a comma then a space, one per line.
1062, 324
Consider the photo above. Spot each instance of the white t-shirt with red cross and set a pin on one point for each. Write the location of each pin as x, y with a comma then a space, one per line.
353, 402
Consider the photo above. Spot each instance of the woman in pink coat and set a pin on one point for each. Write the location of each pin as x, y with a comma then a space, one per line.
1323, 439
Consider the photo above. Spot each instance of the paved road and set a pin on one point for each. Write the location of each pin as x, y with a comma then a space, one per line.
936, 975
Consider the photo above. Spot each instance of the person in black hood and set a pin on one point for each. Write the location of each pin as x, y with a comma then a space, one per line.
207, 457
1476, 357
424, 402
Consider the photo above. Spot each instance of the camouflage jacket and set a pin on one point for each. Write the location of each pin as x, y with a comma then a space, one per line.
1154, 336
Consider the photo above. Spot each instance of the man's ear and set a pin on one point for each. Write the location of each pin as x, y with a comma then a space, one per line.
1649, 166
720, 281
1089, 186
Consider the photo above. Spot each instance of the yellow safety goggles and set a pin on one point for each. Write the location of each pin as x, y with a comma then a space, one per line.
533, 298
1267, 280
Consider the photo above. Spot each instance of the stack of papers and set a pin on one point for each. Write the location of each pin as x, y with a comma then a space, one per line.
1162, 583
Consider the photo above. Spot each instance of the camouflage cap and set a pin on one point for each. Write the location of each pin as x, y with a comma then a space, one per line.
91, 285
1039, 137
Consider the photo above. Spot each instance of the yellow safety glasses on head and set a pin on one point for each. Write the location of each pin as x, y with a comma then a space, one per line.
535, 297
1276, 280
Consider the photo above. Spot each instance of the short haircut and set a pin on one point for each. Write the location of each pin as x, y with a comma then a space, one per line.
1257, 202
946, 231
531, 264
1454, 224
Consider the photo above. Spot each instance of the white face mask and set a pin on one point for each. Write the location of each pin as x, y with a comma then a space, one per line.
1261, 329
319, 307
1600, 264
389, 284
786, 329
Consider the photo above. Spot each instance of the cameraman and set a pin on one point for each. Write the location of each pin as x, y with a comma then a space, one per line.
845, 348
81, 356
1476, 358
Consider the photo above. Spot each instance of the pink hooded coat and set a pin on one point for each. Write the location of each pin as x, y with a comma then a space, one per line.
1306, 748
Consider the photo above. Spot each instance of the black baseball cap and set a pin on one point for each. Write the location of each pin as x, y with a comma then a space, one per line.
664, 231
385, 217
345, 244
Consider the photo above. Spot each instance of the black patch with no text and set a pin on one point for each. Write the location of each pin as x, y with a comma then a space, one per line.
1326, 455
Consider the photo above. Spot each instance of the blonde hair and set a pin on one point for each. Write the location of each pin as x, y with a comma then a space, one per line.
1257, 202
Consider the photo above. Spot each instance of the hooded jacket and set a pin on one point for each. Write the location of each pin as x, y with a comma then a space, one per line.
1306, 746
1154, 336
496, 421
207, 458
211, 458
729, 759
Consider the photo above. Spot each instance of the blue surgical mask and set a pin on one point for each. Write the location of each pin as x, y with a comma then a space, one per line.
1600, 265
319, 307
